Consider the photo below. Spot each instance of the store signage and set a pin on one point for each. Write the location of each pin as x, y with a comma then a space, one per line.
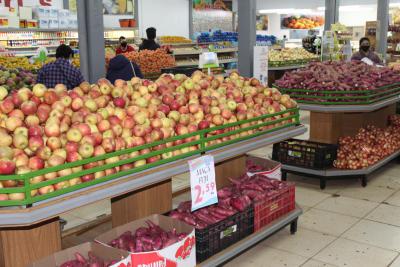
202, 182
12, 3
260, 61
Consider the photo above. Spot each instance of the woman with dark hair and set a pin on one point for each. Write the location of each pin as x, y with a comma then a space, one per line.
121, 68
365, 53
150, 43
123, 46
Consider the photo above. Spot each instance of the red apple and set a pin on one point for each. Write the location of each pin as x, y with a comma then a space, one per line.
36, 163
50, 97
108, 144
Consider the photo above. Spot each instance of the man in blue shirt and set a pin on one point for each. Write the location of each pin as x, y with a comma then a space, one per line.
61, 71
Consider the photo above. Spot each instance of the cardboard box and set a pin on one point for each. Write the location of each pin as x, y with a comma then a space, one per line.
4, 11
13, 21
63, 23
43, 23
180, 254
25, 13
272, 169
41, 13
105, 253
32, 23
53, 13
63, 13
54, 24
3, 22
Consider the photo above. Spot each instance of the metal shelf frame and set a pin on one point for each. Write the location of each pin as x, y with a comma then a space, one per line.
333, 173
350, 108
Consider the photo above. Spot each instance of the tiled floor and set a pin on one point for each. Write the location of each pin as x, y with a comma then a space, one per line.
344, 225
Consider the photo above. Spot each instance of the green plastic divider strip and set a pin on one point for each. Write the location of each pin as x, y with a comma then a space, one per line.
336, 91
327, 97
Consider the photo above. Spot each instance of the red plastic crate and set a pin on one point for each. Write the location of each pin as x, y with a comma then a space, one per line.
274, 207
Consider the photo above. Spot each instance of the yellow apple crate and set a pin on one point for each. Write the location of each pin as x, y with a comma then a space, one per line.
32, 187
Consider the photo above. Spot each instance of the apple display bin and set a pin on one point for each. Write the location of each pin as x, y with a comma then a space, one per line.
353, 97
196, 143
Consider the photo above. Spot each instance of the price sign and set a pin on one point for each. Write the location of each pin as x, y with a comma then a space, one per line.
202, 182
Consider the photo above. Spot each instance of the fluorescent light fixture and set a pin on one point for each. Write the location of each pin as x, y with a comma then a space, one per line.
394, 4
321, 8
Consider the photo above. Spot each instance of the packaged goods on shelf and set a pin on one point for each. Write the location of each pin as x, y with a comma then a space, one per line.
370, 145
220, 36
174, 40
290, 57
87, 254
153, 239
139, 125
335, 83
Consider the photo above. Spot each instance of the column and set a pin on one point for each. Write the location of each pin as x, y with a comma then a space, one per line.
191, 31
247, 36
91, 39
331, 13
382, 27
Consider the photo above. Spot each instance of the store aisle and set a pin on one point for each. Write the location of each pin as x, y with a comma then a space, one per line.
344, 225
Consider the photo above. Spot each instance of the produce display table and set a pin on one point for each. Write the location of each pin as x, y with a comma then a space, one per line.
248, 242
36, 231
329, 122
334, 173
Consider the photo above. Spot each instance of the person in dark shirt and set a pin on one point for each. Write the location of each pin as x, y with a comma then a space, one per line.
123, 46
61, 71
150, 43
365, 52
121, 68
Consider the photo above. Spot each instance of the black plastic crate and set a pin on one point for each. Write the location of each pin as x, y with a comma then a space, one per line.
188, 71
217, 237
303, 153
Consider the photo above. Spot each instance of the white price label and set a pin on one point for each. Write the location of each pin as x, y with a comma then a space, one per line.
202, 182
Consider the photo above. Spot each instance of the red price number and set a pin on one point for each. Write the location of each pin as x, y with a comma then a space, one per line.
201, 190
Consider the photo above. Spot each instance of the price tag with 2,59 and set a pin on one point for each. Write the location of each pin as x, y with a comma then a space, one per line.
202, 182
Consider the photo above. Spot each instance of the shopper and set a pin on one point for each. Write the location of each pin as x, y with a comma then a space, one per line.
123, 46
61, 71
121, 68
365, 54
150, 43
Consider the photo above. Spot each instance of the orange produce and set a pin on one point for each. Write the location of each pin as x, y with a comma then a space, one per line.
151, 61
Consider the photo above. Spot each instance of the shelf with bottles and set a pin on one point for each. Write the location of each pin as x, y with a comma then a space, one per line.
56, 34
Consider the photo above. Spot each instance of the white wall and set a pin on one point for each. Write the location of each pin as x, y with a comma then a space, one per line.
358, 18
169, 17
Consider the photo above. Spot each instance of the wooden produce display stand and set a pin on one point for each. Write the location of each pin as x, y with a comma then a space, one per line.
329, 122
33, 232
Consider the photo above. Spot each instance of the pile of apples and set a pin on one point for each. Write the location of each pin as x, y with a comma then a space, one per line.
370, 145
49, 127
